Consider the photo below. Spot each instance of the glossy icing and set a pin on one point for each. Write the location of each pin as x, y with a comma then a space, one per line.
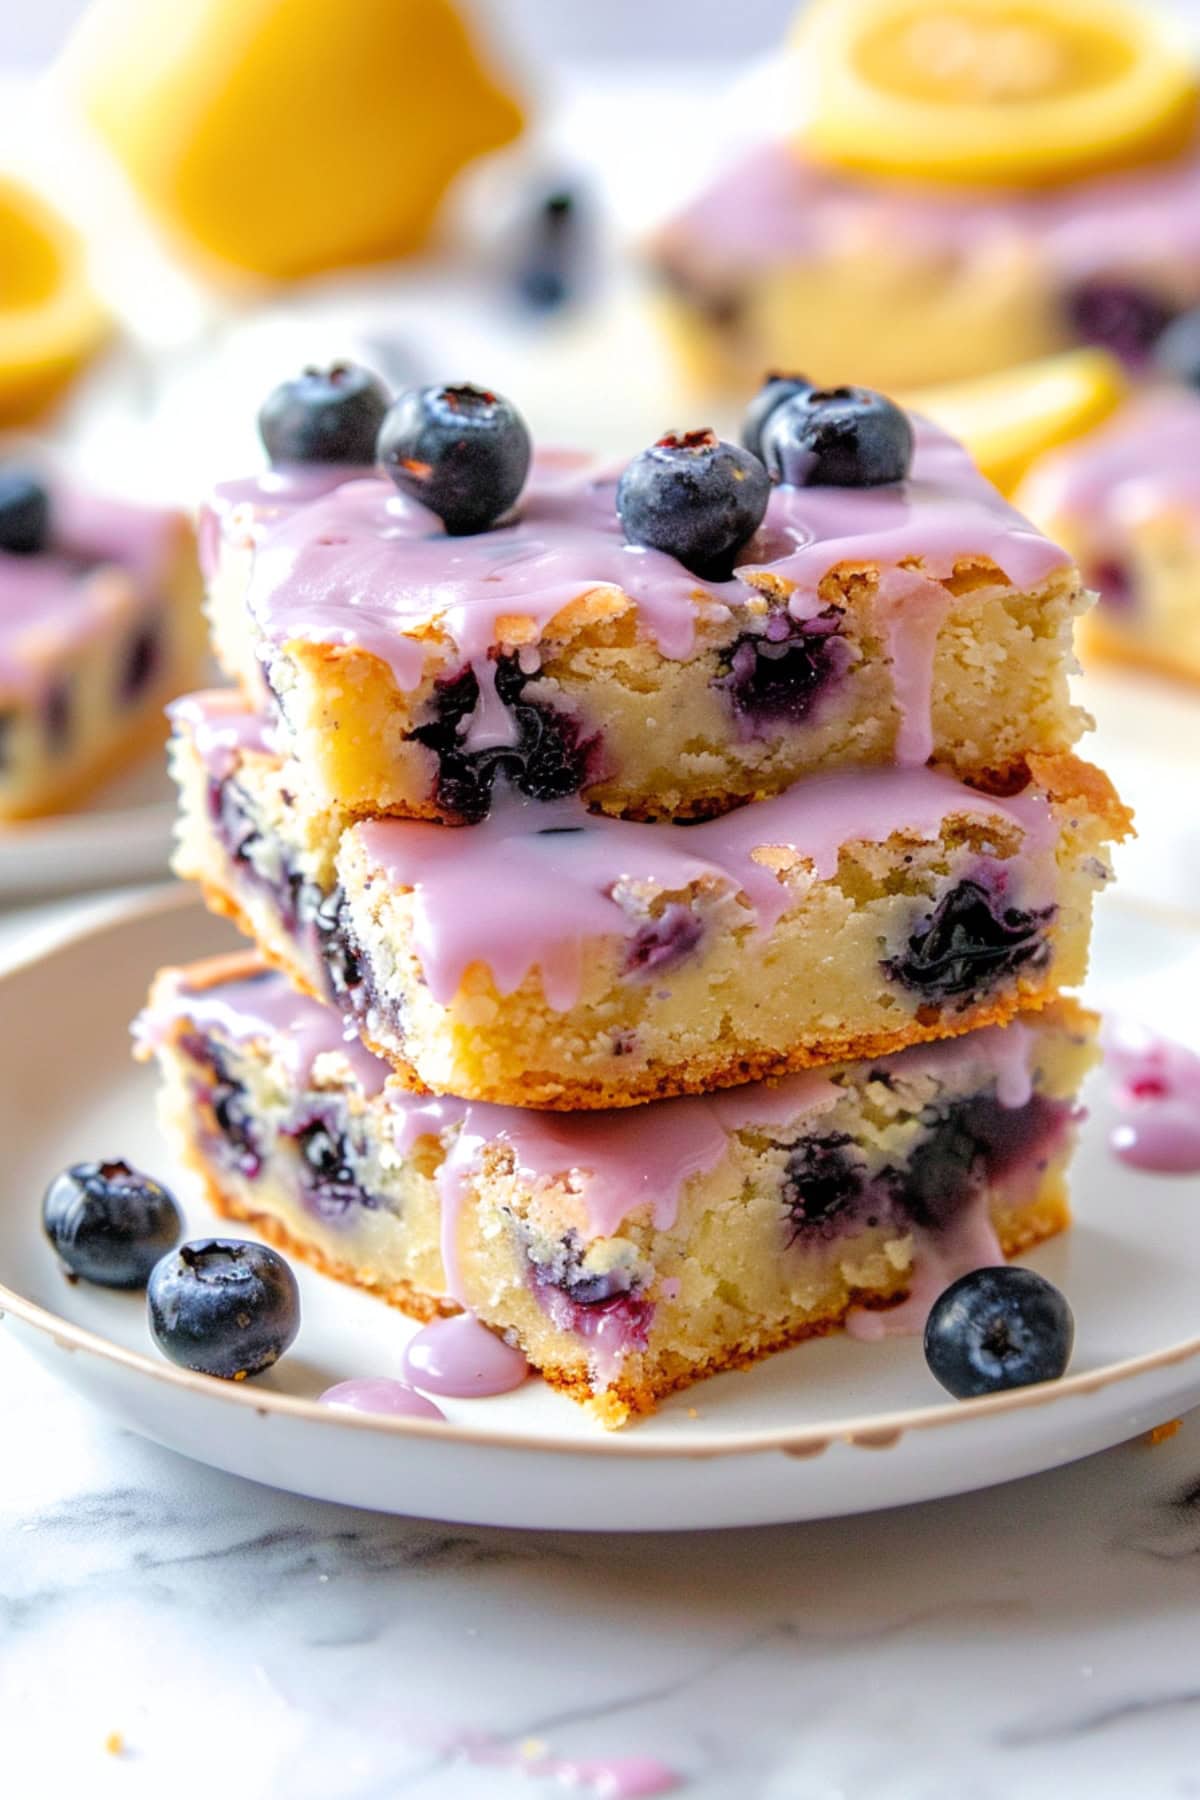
462, 1359
1156, 1084
557, 878
220, 726
364, 567
774, 207
383, 1395
52, 602
263, 1007
1144, 462
240, 510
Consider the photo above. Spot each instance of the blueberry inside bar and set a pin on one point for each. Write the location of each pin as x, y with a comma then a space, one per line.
549, 957
414, 671
1127, 502
99, 626
628, 1254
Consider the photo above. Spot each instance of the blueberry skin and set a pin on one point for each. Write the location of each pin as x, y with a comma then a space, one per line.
1177, 352
224, 1307
24, 513
324, 416
838, 437
996, 1329
462, 451
109, 1223
774, 391
695, 497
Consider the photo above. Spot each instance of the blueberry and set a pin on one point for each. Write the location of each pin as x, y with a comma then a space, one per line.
1177, 352
24, 513
967, 1144
774, 391
548, 264
329, 1180
324, 416
461, 451
823, 1182
233, 1119
838, 437
224, 1307
140, 664
1120, 316
969, 944
109, 1223
549, 760
695, 497
665, 942
998, 1328
777, 676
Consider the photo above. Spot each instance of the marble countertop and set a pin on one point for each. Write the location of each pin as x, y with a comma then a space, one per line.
165, 1629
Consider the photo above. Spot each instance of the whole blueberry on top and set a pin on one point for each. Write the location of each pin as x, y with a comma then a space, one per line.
998, 1328
837, 437
328, 415
461, 451
695, 497
109, 1223
24, 513
774, 391
1177, 352
223, 1306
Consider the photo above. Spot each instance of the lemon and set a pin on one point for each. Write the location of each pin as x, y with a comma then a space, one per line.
286, 137
992, 92
50, 321
1009, 419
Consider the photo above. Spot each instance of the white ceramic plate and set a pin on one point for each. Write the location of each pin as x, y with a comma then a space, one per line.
122, 835
831, 1427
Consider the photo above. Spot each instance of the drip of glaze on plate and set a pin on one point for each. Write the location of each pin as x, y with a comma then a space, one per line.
460, 1357
1156, 1084
382, 1395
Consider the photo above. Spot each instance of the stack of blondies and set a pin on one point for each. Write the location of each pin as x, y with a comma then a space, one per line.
662, 877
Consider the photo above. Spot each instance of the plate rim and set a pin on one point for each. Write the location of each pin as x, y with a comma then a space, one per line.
866, 1431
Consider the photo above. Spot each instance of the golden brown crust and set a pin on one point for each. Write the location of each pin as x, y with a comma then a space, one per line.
1067, 778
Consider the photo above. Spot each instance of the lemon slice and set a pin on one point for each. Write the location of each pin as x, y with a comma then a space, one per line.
1005, 92
50, 322
1008, 420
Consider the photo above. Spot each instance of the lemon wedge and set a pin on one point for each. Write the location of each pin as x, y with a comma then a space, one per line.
288, 137
1008, 420
50, 321
992, 92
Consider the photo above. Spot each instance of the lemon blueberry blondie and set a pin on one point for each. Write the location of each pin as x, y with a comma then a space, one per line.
631, 1254
975, 184
1126, 501
100, 625
420, 644
552, 957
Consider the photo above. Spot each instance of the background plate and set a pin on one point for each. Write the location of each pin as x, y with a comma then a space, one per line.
831, 1427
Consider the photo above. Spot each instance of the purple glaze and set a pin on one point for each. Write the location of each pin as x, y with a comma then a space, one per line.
220, 726
264, 1006
1143, 462
774, 207
365, 567
1156, 1084
52, 602
462, 1358
381, 1394
557, 877
239, 511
